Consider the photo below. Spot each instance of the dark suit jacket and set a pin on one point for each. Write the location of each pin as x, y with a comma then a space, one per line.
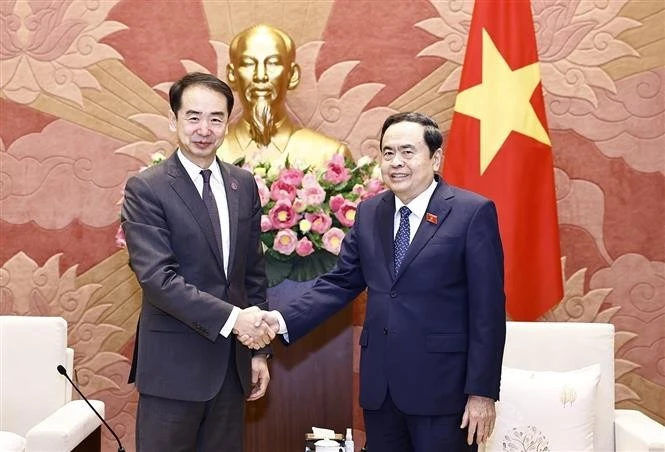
187, 298
436, 332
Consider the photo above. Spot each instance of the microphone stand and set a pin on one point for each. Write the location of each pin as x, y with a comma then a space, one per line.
62, 371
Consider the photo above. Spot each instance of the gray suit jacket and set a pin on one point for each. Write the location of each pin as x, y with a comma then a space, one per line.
187, 297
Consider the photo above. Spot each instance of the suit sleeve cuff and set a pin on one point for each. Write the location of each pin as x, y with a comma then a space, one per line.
230, 322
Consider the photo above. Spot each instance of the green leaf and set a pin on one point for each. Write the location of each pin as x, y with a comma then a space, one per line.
268, 238
277, 270
309, 267
277, 256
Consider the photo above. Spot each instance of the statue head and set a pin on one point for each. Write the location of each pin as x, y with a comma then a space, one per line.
262, 69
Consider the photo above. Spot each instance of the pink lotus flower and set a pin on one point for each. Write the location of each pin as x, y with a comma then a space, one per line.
336, 171
264, 192
313, 195
291, 176
266, 224
321, 222
120, 238
347, 213
309, 180
332, 240
285, 242
358, 189
299, 205
304, 247
336, 202
281, 190
282, 215
374, 186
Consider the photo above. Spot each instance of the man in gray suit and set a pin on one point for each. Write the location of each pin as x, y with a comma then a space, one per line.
192, 225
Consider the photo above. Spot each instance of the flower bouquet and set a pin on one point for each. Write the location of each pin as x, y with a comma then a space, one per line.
307, 212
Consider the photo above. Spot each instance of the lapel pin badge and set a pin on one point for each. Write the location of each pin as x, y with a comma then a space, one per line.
430, 217
234, 185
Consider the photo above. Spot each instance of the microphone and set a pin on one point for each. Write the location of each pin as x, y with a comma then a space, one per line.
62, 371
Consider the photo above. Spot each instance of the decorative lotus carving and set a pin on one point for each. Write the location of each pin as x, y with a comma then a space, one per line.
45, 47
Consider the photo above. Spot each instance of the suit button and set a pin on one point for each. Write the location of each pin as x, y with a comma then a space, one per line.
385, 331
393, 294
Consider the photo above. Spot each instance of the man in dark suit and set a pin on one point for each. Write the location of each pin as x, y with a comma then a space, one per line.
431, 259
192, 225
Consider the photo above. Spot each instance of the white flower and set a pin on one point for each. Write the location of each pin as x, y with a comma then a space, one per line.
364, 161
376, 173
157, 157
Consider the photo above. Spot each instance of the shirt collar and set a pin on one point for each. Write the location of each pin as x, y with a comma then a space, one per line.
418, 205
280, 140
194, 171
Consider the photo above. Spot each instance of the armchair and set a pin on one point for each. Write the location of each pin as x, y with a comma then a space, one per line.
36, 410
566, 346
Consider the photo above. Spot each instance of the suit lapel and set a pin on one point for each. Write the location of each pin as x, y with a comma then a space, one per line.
232, 200
385, 225
439, 207
184, 187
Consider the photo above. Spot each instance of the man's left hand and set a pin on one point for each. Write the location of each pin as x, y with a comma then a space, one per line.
260, 377
479, 416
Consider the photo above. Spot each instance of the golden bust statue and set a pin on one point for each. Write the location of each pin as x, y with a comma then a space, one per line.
261, 70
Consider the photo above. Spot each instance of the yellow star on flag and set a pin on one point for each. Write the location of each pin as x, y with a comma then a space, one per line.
501, 102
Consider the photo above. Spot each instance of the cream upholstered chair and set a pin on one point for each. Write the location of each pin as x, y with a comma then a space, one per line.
36, 411
558, 354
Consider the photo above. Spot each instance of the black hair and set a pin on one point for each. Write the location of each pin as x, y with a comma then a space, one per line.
199, 79
432, 134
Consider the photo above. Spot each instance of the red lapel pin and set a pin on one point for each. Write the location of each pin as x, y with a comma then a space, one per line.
430, 217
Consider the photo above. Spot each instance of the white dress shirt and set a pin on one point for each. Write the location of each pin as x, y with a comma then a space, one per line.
218, 190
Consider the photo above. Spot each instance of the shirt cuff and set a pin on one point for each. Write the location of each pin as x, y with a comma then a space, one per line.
230, 322
282, 325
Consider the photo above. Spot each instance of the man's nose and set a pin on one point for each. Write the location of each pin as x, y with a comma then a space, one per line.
397, 160
204, 128
261, 74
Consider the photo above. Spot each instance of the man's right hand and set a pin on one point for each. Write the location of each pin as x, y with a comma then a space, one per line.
252, 330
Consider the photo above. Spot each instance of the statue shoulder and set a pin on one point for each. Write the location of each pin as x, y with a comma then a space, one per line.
322, 143
230, 151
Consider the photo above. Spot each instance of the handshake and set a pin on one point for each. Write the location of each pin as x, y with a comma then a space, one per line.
255, 328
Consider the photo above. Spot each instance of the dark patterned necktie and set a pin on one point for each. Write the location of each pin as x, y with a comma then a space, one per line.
401, 243
211, 206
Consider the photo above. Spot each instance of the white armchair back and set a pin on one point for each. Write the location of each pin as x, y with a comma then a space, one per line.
565, 346
31, 388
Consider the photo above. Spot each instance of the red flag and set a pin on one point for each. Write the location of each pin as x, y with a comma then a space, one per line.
498, 146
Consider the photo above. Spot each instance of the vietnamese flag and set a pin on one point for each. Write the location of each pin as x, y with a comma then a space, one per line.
498, 146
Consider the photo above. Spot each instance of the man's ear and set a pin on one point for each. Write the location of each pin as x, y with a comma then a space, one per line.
172, 121
294, 80
231, 75
438, 160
